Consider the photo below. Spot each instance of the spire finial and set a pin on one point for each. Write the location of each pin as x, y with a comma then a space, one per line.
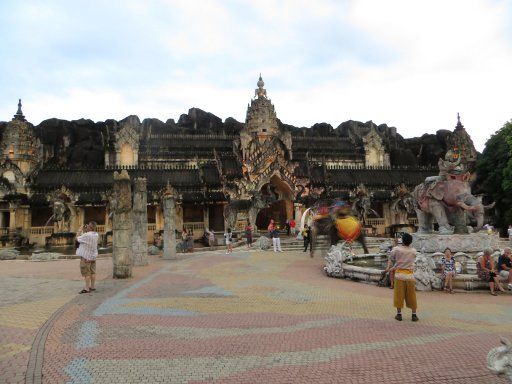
19, 112
459, 125
260, 92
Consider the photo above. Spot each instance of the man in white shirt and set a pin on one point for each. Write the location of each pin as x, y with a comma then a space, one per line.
87, 237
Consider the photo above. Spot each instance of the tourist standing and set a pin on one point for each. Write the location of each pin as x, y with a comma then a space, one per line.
292, 227
276, 240
184, 236
190, 240
87, 237
211, 238
405, 284
228, 237
448, 270
287, 227
505, 267
248, 234
306, 235
486, 271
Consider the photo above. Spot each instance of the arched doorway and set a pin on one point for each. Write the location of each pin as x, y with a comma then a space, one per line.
281, 209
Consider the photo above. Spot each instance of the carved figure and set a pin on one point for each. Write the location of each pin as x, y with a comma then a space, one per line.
447, 201
499, 359
424, 274
61, 216
335, 258
403, 205
362, 204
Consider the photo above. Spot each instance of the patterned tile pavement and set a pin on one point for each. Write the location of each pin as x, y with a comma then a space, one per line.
256, 317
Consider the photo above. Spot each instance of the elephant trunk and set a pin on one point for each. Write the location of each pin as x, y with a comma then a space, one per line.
479, 222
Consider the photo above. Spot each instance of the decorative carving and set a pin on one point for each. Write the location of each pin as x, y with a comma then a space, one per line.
127, 141
375, 152
362, 203
335, 258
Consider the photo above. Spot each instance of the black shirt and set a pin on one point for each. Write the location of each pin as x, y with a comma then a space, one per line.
504, 260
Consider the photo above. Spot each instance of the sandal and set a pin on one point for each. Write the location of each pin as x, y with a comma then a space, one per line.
494, 294
84, 291
92, 289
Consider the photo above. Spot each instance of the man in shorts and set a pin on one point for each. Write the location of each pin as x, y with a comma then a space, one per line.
87, 237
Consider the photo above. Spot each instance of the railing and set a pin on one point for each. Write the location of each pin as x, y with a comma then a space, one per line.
413, 221
40, 230
152, 227
376, 221
4, 231
196, 227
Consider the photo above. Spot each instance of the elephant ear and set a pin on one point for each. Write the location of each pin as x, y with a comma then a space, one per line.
438, 190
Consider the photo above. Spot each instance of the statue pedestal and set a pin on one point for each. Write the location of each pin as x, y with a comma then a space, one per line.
467, 243
61, 239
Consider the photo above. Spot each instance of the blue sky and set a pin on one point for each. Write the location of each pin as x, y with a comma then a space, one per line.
409, 64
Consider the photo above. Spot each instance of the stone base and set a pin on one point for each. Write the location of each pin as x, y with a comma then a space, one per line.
122, 272
468, 243
64, 239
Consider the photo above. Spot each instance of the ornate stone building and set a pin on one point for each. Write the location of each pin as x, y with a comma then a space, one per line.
59, 174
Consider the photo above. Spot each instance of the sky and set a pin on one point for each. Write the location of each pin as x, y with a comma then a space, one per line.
411, 64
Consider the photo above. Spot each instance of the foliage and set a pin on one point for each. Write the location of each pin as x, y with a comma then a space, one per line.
494, 174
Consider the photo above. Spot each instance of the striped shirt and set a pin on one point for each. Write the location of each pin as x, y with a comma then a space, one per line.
404, 257
88, 248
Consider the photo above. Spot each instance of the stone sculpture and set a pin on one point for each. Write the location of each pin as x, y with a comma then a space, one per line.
169, 197
447, 201
122, 226
426, 279
140, 222
499, 359
335, 258
402, 205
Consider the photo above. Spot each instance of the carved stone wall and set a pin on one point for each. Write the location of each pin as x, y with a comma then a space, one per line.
140, 222
122, 226
127, 141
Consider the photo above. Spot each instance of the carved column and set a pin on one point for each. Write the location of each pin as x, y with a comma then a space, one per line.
122, 229
298, 212
140, 222
169, 209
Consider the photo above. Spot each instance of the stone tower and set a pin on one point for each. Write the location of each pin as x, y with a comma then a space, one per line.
19, 144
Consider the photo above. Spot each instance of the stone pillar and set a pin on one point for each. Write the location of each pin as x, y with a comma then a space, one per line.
169, 207
298, 213
12, 215
140, 222
122, 229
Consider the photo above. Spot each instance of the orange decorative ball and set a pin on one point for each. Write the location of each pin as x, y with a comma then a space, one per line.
348, 228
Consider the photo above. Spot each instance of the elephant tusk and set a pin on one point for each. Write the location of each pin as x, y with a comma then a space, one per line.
466, 207
490, 206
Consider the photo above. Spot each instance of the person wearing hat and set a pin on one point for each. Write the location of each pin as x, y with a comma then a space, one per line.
404, 282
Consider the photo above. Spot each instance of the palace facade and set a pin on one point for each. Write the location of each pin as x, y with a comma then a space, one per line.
59, 174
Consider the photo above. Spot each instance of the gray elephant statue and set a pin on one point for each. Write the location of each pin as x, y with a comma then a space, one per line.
499, 359
447, 201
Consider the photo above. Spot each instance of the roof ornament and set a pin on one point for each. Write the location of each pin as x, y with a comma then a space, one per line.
260, 92
19, 112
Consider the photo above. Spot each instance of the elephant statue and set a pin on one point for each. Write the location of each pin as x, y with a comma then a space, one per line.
447, 201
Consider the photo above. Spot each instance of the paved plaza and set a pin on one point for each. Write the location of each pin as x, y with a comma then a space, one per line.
247, 317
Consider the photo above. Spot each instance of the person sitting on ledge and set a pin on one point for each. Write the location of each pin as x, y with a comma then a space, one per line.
505, 267
448, 270
486, 272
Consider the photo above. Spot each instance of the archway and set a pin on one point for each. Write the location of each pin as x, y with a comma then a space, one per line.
281, 208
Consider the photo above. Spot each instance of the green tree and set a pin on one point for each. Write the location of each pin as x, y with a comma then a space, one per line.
494, 174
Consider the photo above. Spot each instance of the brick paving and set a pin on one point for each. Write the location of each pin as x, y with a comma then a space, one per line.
249, 317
